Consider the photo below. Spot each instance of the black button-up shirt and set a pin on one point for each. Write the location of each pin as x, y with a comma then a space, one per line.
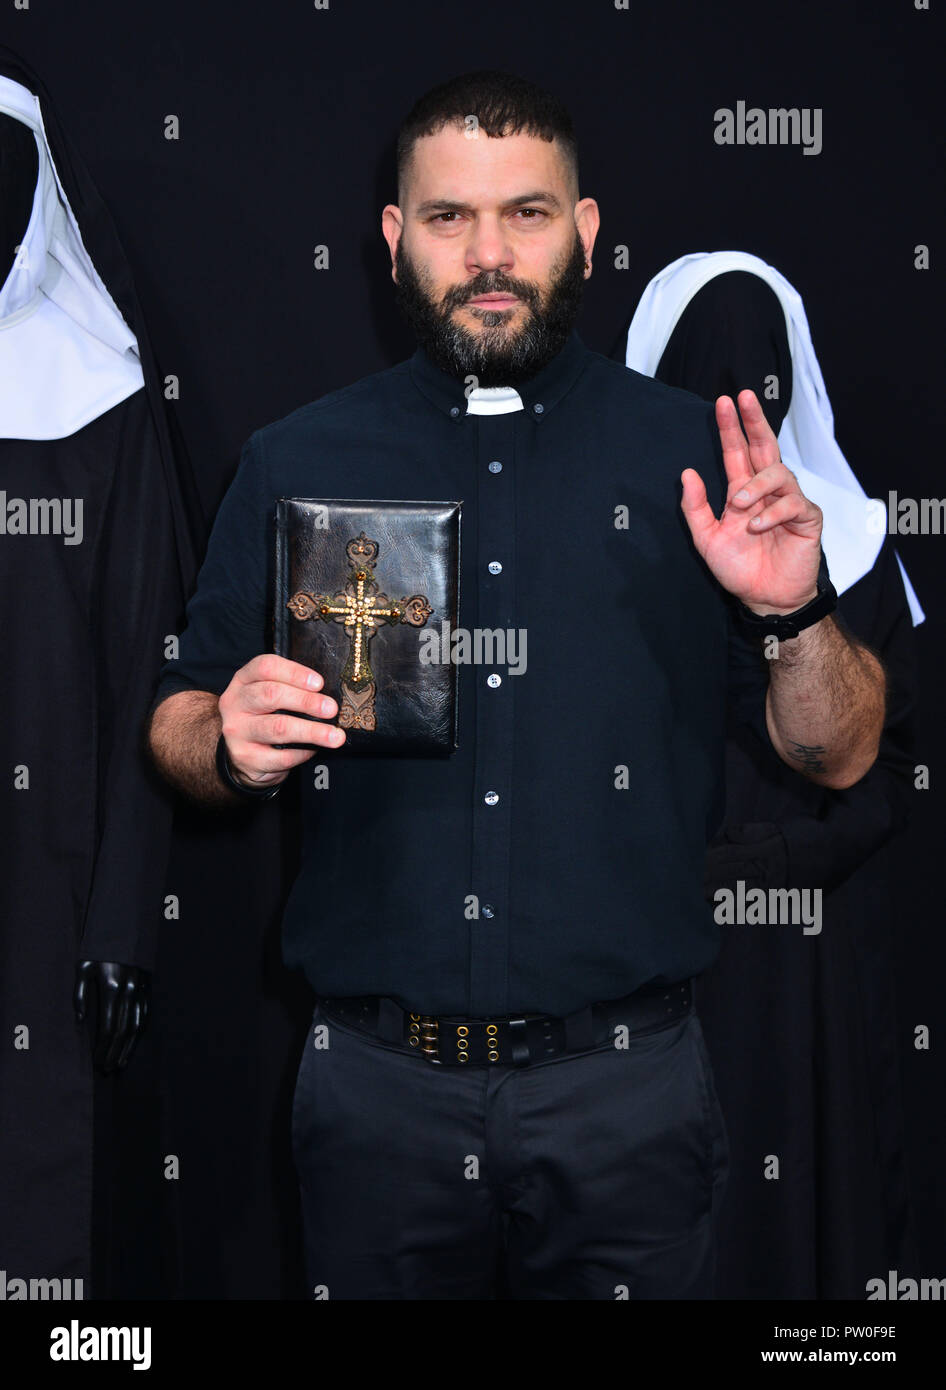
556, 857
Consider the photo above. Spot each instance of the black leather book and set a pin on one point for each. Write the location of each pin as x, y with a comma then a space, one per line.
362, 591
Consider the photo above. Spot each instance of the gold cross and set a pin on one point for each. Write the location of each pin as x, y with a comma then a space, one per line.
361, 609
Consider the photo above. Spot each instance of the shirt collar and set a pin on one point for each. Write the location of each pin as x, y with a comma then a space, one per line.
540, 394
493, 400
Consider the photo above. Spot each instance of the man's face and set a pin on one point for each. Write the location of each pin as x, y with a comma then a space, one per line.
489, 253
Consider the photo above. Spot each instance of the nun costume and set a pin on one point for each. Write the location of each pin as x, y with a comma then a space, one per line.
99, 533
802, 1027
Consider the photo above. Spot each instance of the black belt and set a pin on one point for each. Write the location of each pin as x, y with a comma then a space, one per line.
512, 1041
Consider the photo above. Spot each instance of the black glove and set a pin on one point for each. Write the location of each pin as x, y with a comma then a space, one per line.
122, 994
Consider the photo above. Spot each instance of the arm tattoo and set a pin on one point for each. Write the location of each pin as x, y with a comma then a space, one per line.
808, 755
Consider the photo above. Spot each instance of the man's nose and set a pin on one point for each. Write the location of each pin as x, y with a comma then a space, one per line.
489, 247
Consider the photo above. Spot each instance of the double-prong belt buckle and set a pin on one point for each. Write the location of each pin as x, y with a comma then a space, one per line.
424, 1033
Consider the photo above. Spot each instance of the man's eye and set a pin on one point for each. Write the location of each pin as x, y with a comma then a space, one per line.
530, 215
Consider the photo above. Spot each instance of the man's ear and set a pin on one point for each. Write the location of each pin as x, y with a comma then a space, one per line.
392, 225
588, 220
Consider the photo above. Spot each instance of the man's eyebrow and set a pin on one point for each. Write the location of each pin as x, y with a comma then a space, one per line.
450, 205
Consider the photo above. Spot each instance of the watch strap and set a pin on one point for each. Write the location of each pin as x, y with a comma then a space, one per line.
785, 626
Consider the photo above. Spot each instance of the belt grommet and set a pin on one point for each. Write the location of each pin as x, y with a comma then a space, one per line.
416, 1016
414, 1042
462, 1044
491, 1029
462, 1057
462, 1030
493, 1055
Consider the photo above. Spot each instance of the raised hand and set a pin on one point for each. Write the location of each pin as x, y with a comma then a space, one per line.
766, 547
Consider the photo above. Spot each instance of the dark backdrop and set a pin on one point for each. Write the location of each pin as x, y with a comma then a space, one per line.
287, 120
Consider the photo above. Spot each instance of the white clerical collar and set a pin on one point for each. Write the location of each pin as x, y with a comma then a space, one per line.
493, 400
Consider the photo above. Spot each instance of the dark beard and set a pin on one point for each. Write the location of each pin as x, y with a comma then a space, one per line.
500, 356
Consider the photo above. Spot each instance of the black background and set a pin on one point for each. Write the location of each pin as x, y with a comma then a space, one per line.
288, 117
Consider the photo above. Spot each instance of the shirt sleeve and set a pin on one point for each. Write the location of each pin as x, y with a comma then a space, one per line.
228, 618
748, 681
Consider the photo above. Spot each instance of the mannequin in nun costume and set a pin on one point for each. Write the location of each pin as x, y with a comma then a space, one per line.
98, 538
801, 1027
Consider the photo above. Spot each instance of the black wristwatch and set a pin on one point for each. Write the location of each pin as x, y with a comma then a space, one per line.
228, 779
784, 626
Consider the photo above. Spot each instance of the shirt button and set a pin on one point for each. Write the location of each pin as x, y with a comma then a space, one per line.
494, 680
454, 411
495, 567
487, 910
495, 466
491, 798
538, 409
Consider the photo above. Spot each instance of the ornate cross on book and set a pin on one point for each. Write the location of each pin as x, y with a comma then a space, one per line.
333, 595
361, 609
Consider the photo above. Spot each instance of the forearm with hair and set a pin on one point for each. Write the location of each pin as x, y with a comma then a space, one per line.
825, 704
183, 738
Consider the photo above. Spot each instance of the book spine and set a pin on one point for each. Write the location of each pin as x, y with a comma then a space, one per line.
281, 589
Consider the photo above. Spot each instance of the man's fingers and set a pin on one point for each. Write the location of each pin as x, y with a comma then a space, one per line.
776, 480
270, 682
270, 667
696, 508
257, 744
280, 727
749, 446
754, 423
265, 696
763, 444
733, 441
265, 707
792, 508
258, 759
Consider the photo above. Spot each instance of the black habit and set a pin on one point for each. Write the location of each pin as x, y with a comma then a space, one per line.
803, 1029
86, 618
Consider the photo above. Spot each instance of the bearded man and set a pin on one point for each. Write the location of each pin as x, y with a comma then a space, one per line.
506, 1093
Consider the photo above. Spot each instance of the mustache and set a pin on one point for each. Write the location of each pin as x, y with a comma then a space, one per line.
501, 284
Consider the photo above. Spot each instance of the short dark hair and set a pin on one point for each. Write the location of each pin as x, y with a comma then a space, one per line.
502, 103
